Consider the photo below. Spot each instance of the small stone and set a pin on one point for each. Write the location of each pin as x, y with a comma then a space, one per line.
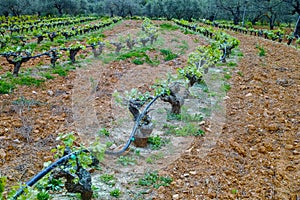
202, 123
208, 130
272, 127
262, 149
238, 148
290, 168
2, 154
50, 93
193, 172
113, 146
268, 147
289, 147
36, 131
248, 95
175, 196
17, 141
295, 152
186, 175
34, 92
251, 128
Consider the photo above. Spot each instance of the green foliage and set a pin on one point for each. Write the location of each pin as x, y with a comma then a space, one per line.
156, 142
231, 64
60, 70
108, 179
240, 74
185, 116
108, 144
104, 132
43, 195
153, 179
249, 24
189, 129
227, 76
168, 26
226, 87
2, 185
262, 51
48, 75
84, 158
6, 87
161, 88
138, 61
234, 191
95, 40
148, 27
26, 80
126, 160
115, 193
55, 184
168, 54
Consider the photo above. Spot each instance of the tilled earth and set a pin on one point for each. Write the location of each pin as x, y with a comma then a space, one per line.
255, 152
258, 151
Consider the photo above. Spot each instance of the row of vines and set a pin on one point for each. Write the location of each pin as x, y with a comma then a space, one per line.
278, 35
73, 160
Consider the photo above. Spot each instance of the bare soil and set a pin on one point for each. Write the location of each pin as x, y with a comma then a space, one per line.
257, 153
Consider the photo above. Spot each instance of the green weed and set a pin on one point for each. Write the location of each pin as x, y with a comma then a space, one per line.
47, 75
43, 195
156, 142
153, 179
168, 54
240, 54
187, 130
108, 179
60, 71
169, 27
6, 87
227, 76
55, 184
226, 87
231, 64
240, 74
125, 160
108, 144
2, 185
138, 61
262, 51
26, 80
104, 132
115, 193
185, 116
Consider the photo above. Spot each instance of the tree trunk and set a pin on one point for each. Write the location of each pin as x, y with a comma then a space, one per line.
73, 53
297, 28
272, 24
236, 19
17, 66
59, 9
174, 99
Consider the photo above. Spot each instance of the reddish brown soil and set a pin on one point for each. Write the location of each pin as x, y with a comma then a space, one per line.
258, 152
256, 155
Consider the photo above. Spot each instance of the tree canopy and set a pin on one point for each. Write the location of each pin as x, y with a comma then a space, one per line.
268, 11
